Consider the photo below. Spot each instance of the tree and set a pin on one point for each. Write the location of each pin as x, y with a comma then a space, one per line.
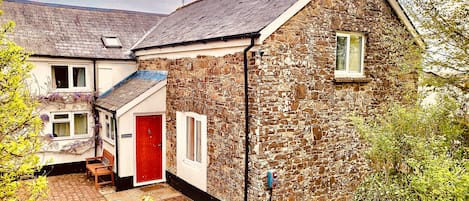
19, 125
417, 152
444, 26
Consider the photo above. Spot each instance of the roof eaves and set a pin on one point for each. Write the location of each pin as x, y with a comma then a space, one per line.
130, 58
222, 38
397, 8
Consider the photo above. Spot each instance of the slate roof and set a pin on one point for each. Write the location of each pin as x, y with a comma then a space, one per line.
70, 31
130, 88
210, 19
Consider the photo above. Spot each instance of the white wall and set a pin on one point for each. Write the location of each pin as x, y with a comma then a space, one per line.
154, 104
40, 84
111, 72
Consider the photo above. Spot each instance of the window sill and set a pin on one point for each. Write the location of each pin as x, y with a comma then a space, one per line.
352, 79
109, 141
72, 138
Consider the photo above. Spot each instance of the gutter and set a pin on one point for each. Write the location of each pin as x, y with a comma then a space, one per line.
223, 38
85, 58
246, 118
113, 112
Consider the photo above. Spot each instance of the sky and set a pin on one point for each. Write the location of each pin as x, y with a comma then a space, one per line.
153, 6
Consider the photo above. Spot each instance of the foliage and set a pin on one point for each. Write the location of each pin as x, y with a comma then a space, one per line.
417, 153
19, 127
444, 26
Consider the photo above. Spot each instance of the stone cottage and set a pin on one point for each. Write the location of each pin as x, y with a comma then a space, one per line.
230, 89
267, 85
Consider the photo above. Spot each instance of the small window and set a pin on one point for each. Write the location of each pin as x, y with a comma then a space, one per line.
111, 42
81, 124
79, 77
110, 128
60, 76
66, 77
69, 124
194, 142
349, 55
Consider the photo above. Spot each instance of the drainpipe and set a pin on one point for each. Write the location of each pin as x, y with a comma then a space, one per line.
117, 142
246, 119
95, 112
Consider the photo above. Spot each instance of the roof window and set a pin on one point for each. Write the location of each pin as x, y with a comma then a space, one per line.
111, 42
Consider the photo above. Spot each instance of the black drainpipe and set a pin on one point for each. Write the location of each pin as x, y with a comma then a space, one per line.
117, 142
246, 119
95, 112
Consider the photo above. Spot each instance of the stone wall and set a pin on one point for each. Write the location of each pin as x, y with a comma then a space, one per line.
214, 87
298, 111
300, 127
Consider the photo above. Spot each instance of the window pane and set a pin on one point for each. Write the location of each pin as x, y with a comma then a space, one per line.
60, 76
341, 54
61, 129
79, 77
108, 131
81, 124
198, 138
190, 138
60, 116
112, 129
355, 53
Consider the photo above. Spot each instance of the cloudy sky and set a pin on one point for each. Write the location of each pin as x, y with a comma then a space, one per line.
154, 6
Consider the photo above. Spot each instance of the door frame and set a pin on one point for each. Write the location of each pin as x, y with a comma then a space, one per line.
163, 153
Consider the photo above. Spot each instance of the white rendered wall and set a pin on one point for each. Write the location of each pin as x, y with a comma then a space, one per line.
153, 105
111, 72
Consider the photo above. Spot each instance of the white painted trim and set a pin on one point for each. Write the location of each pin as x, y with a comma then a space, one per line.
71, 122
346, 72
410, 27
218, 48
282, 19
163, 151
192, 172
140, 98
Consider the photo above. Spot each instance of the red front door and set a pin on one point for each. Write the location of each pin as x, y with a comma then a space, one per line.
149, 148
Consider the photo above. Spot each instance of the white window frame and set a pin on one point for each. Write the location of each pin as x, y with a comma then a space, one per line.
109, 134
71, 121
70, 77
346, 72
193, 172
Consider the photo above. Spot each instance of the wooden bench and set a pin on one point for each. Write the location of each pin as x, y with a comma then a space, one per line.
100, 166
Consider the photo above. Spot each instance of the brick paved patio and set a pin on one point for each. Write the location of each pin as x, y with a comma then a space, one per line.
72, 187
76, 187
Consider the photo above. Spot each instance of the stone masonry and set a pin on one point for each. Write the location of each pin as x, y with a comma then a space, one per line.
298, 110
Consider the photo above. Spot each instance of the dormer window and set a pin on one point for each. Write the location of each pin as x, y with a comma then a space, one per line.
111, 42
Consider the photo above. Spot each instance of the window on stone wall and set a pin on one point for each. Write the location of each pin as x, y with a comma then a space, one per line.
191, 148
67, 77
70, 124
349, 55
193, 139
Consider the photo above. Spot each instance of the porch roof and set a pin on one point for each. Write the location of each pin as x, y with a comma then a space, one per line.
130, 88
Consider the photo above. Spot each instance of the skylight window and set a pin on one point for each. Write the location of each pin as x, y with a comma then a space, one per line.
111, 42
